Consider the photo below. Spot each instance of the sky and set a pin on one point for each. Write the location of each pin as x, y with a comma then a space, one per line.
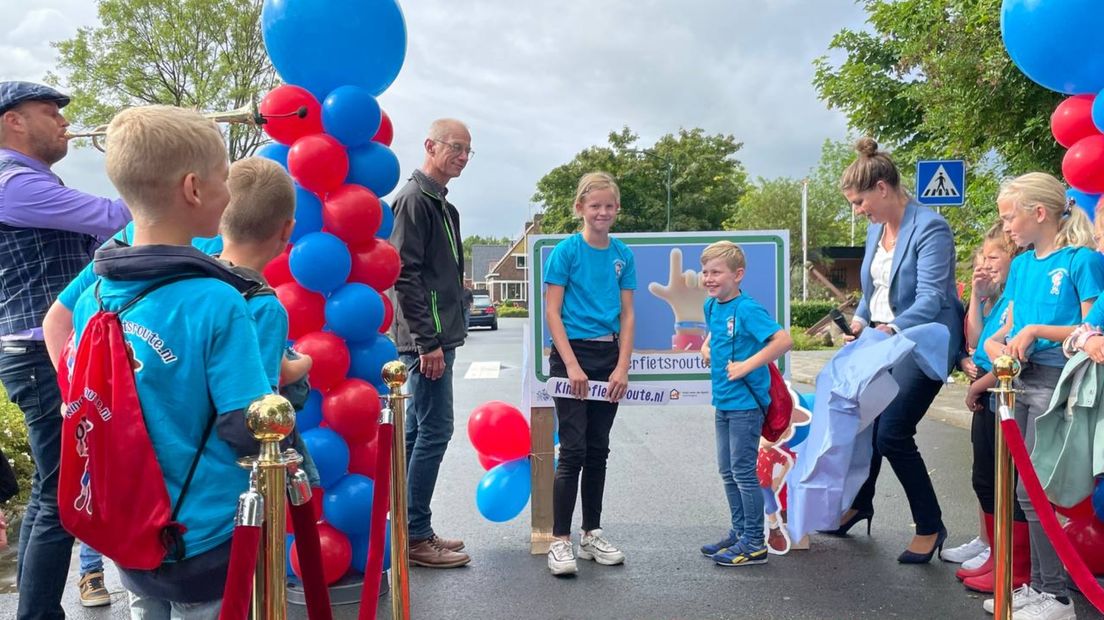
539, 81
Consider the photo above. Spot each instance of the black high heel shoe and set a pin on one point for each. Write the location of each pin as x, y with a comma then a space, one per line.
911, 557
861, 515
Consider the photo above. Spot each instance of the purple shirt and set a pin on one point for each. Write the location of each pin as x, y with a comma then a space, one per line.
34, 197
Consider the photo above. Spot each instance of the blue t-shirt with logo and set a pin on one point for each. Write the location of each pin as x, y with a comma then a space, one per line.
84, 279
593, 280
738, 329
192, 360
1049, 291
271, 323
990, 324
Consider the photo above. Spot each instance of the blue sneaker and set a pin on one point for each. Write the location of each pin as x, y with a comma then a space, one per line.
741, 554
721, 545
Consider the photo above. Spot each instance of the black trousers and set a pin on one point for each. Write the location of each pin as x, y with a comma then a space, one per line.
584, 438
983, 430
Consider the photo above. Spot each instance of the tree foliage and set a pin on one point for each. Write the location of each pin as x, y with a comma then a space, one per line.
706, 182
203, 54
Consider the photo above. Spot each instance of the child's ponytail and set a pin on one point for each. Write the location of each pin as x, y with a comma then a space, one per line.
1074, 229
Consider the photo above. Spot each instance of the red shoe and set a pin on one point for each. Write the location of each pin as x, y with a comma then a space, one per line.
1021, 563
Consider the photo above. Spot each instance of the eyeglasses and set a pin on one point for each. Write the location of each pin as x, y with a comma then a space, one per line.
456, 147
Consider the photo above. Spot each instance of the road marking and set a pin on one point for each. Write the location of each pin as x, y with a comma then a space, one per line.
483, 370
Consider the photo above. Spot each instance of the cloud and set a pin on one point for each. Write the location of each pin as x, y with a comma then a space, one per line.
537, 82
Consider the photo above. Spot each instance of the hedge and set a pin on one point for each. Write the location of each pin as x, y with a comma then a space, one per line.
807, 313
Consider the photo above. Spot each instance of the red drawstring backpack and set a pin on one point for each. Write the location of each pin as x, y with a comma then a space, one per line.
111, 492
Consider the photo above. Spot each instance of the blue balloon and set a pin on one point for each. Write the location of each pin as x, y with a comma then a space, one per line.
368, 357
308, 214
1084, 200
355, 312
330, 454
374, 166
504, 491
352, 115
1056, 43
1098, 499
387, 222
323, 44
347, 505
287, 545
310, 416
360, 549
320, 262
275, 151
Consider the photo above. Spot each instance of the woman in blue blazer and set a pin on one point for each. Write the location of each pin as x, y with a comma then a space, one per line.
907, 280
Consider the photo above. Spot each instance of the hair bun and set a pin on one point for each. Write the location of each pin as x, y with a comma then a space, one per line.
866, 147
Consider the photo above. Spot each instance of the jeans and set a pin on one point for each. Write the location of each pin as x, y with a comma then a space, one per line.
895, 439
149, 608
737, 454
584, 427
90, 560
429, 423
1036, 384
44, 546
983, 430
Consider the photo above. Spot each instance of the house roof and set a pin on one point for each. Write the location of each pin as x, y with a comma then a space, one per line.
519, 244
483, 257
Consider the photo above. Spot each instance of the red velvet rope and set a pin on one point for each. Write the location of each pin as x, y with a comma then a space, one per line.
381, 495
1080, 573
244, 547
310, 561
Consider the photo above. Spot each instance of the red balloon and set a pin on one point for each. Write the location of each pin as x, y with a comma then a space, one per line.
376, 264
386, 131
388, 313
1080, 512
1087, 537
1072, 120
337, 553
280, 108
306, 309
362, 457
498, 431
330, 356
352, 408
277, 271
1083, 165
487, 462
353, 213
318, 162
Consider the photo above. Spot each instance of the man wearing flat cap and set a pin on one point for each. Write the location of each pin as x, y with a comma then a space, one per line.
48, 233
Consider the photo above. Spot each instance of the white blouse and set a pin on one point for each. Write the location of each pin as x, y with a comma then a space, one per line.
880, 310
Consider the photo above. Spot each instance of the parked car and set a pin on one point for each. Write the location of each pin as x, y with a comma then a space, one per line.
483, 312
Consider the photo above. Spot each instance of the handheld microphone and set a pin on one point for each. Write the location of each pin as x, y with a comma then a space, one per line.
840, 321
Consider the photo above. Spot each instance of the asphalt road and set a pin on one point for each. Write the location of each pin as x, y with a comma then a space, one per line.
663, 500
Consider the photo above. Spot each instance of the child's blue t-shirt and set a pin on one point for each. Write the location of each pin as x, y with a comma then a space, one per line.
189, 358
271, 323
593, 280
738, 329
990, 324
1049, 291
1095, 317
84, 279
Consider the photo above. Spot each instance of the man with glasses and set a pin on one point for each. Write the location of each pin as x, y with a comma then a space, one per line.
429, 326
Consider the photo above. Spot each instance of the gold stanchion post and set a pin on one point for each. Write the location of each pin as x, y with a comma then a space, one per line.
394, 375
1006, 368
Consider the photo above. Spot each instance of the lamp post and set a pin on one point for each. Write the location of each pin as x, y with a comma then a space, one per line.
670, 168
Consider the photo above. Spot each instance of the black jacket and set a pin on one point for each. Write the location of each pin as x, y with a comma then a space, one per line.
429, 309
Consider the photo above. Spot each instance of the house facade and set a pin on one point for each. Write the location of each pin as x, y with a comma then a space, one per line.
508, 279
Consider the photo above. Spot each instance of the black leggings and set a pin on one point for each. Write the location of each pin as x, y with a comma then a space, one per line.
983, 430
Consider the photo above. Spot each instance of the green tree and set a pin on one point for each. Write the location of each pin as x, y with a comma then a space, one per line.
203, 54
706, 181
471, 240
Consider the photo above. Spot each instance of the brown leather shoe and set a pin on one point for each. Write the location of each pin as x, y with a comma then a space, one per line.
431, 554
448, 543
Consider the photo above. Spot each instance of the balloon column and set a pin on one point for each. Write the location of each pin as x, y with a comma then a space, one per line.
336, 57
1076, 67
500, 435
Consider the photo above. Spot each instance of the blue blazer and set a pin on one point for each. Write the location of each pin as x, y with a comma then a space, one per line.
922, 277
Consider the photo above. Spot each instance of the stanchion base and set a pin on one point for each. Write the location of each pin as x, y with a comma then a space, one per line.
344, 592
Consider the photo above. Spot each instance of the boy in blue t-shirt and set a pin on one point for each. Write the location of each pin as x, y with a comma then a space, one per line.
742, 340
196, 354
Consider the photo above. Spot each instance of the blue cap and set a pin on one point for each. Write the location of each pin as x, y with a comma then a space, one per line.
15, 93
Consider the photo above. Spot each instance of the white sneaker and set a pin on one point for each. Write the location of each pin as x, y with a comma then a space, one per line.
975, 562
965, 552
1021, 597
593, 547
561, 558
1046, 607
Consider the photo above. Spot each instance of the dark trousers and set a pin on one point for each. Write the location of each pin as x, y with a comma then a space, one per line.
44, 546
895, 439
584, 439
983, 430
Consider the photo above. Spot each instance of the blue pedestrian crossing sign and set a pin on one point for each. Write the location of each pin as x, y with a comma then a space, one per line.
941, 183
